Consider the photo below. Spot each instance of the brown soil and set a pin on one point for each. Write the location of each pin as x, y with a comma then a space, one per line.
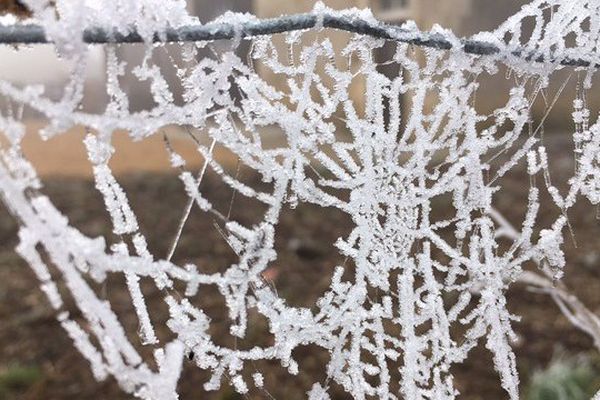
30, 335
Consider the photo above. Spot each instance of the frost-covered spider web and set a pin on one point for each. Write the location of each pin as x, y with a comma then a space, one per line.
419, 290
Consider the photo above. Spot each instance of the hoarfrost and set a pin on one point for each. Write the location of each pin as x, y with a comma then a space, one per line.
385, 169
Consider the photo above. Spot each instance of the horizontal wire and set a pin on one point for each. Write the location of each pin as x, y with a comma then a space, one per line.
35, 34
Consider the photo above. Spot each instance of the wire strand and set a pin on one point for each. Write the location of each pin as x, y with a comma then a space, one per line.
35, 34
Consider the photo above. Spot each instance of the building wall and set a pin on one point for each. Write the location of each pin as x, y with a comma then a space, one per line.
464, 18
271, 9
40, 65
205, 10
467, 17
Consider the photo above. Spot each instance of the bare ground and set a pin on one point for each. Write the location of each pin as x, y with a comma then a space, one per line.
30, 335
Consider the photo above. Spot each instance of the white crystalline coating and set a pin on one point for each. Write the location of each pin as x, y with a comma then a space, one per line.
239, 384
82, 343
65, 20
317, 392
553, 30
259, 380
385, 165
177, 161
8, 19
123, 218
137, 298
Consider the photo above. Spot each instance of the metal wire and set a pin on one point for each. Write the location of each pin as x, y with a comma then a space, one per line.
34, 34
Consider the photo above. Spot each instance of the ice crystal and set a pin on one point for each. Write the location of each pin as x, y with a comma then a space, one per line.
441, 281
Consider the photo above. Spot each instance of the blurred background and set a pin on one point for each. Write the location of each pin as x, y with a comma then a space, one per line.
37, 360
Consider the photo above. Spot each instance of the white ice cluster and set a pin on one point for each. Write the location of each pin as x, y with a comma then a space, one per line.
554, 30
419, 291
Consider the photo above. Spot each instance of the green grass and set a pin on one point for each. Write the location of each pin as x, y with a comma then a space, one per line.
565, 378
17, 378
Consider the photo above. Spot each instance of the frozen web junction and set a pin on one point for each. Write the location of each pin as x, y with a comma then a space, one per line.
441, 280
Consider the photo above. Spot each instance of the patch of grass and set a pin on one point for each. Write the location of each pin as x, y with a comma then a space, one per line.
565, 378
17, 378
